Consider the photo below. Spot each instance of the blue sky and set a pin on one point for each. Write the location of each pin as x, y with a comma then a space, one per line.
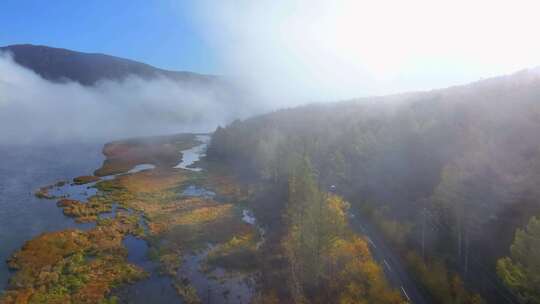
161, 33
296, 49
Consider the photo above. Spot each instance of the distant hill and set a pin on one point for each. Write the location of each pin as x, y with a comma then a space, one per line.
59, 65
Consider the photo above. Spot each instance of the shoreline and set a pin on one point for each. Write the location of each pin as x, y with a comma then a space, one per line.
137, 192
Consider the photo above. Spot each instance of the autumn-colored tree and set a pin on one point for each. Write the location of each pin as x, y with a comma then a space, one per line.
301, 240
315, 220
358, 278
444, 286
328, 264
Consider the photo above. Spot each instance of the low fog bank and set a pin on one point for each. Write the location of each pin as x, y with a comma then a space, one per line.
34, 110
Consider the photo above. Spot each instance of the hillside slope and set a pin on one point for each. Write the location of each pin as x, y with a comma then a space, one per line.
447, 175
58, 64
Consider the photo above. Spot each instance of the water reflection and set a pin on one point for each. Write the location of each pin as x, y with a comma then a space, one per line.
216, 286
156, 288
192, 155
24, 169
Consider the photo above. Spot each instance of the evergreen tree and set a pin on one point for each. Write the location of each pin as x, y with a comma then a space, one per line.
521, 271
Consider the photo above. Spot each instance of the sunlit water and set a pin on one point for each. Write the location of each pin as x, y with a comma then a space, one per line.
192, 155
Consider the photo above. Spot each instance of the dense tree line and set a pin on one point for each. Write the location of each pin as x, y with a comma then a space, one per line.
521, 270
460, 166
327, 263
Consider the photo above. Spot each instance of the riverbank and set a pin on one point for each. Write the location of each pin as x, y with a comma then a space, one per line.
190, 219
23, 170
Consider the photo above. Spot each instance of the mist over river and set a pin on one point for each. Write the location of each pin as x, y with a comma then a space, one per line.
23, 169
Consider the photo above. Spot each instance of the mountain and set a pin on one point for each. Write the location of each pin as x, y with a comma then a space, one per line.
59, 65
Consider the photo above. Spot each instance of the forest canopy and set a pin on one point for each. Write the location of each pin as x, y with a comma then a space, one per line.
459, 166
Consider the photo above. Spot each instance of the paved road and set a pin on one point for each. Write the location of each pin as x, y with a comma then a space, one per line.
391, 263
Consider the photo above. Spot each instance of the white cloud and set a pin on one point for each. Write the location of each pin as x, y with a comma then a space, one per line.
334, 49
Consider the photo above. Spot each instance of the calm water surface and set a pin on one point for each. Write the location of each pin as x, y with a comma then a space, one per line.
23, 169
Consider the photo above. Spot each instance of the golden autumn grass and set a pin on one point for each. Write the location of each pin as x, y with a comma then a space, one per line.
152, 181
73, 266
161, 151
238, 253
219, 179
158, 194
43, 192
85, 179
179, 225
83, 212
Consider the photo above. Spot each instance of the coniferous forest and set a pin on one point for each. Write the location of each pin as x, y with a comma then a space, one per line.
448, 177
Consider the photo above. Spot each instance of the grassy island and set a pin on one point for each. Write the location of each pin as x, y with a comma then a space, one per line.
73, 266
161, 151
85, 179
